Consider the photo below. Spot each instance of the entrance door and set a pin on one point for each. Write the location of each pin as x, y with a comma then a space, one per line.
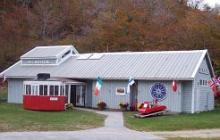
80, 95
73, 95
77, 95
203, 99
133, 96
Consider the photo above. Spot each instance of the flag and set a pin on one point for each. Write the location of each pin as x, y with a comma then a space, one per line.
174, 86
214, 83
218, 80
98, 86
130, 83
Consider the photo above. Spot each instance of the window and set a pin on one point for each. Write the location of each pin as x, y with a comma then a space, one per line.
56, 90
120, 91
96, 56
206, 83
41, 88
204, 71
28, 90
34, 90
45, 90
51, 90
200, 82
83, 56
41, 91
66, 90
203, 82
62, 91
65, 54
39, 61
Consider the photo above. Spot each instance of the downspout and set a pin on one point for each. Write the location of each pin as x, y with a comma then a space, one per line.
193, 97
69, 90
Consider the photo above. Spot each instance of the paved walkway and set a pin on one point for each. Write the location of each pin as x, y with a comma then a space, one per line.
113, 130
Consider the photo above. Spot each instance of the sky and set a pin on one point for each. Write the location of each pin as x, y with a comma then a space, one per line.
212, 2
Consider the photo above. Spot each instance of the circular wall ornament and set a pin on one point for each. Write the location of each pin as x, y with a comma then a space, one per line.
158, 91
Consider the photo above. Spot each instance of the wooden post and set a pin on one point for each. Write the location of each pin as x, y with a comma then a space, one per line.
69, 87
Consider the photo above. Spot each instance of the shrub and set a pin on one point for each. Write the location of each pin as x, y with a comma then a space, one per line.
69, 106
123, 106
101, 105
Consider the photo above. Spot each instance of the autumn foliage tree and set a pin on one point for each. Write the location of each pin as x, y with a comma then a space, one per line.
113, 25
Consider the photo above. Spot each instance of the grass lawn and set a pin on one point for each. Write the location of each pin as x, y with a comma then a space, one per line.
202, 120
14, 118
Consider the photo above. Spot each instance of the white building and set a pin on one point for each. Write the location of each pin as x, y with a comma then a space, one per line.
150, 70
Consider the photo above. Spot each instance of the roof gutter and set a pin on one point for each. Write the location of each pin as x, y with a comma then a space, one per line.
109, 78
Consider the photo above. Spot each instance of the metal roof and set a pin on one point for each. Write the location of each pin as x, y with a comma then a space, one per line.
163, 65
46, 51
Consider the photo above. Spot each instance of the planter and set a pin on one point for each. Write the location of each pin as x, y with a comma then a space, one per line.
123, 108
101, 108
101, 105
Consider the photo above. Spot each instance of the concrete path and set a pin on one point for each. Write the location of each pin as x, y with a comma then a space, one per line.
113, 130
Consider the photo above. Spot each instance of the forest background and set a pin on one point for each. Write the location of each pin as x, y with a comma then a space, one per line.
108, 26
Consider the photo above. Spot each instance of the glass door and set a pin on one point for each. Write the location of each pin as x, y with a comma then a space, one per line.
80, 95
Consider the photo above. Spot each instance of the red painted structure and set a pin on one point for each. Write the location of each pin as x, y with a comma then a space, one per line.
44, 103
44, 95
174, 86
148, 107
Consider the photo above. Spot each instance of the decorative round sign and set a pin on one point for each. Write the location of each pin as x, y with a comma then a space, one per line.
158, 91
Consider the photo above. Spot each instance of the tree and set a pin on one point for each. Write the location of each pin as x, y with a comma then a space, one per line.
113, 25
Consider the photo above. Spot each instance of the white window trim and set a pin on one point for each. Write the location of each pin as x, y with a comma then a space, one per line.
120, 94
37, 84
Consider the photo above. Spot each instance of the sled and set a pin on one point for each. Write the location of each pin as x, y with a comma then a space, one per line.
150, 109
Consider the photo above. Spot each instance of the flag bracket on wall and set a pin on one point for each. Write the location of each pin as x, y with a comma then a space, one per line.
130, 83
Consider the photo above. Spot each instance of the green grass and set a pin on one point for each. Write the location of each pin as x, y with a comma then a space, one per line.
202, 120
14, 118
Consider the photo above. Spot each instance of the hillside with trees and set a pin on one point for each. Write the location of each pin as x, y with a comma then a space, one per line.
107, 25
